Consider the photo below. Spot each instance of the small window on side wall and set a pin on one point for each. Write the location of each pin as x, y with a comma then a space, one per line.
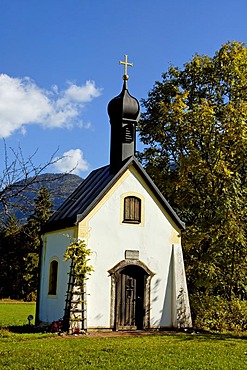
132, 210
53, 278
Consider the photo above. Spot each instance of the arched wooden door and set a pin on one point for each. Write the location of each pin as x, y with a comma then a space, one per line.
130, 303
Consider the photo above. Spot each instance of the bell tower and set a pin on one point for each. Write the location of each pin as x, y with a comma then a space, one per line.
124, 113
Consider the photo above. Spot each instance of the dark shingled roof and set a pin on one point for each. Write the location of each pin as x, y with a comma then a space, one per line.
92, 190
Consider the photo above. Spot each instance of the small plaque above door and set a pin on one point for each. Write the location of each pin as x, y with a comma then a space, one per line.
132, 255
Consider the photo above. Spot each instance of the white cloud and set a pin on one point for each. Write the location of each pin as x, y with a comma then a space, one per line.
82, 94
22, 102
72, 161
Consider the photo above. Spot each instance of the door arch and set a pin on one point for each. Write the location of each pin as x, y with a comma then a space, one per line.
130, 295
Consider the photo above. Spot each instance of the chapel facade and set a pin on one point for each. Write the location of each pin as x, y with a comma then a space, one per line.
134, 235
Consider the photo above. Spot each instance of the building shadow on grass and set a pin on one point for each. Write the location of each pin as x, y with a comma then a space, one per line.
181, 334
190, 334
25, 329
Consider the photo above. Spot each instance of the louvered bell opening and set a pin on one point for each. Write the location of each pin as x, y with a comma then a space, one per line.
128, 133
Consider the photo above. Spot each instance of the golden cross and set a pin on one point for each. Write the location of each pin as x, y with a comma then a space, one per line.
126, 64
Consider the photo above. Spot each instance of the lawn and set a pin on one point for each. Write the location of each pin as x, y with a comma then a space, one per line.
15, 313
160, 351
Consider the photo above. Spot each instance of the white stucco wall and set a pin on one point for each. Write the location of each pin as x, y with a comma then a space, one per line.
54, 247
108, 238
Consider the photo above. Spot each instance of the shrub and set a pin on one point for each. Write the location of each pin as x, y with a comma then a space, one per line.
56, 326
216, 313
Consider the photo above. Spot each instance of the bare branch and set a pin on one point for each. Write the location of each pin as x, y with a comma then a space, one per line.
18, 175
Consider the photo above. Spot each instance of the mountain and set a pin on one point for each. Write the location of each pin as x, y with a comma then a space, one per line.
60, 186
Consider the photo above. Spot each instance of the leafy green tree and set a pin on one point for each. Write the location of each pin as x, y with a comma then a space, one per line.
11, 261
195, 131
32, 241
19, 250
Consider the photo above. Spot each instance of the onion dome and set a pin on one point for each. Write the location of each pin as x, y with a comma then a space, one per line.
124, 112
124, 106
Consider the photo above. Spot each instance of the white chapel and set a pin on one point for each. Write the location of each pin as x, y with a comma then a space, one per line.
134, 236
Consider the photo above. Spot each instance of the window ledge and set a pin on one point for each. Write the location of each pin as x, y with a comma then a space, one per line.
131, 222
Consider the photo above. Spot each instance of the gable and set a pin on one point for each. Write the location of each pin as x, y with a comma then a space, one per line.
95, 187
111, 208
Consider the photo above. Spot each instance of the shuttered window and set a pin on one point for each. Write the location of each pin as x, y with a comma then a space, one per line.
53, 278
132, 209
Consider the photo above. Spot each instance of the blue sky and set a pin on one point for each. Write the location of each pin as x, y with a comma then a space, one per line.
59, 65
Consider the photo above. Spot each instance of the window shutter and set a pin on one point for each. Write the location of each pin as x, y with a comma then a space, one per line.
132, 209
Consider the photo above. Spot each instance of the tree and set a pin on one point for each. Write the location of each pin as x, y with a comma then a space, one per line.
19, 250
11, 261
32, 241
195, 131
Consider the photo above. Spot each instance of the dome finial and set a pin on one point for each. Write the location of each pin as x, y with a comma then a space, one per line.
126, 64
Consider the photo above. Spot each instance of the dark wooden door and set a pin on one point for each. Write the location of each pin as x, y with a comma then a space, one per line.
130, 298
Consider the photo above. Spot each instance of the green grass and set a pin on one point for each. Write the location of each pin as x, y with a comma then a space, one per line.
15, 313
143, 352
161, 351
